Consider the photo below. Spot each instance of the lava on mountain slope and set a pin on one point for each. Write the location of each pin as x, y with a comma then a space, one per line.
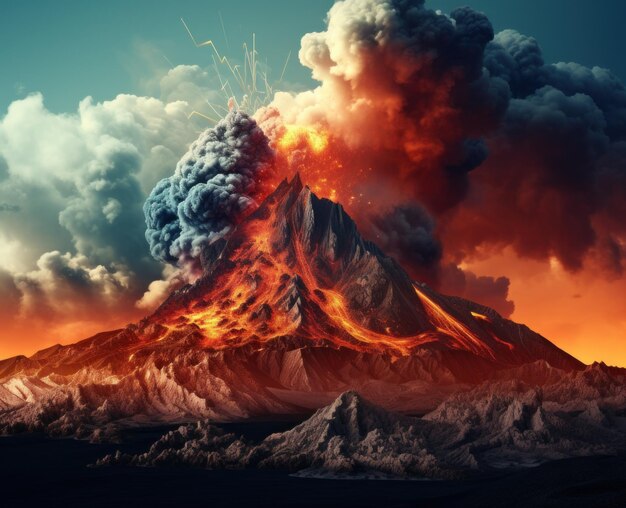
298, 268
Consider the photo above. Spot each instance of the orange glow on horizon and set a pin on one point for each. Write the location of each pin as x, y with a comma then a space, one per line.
583, 313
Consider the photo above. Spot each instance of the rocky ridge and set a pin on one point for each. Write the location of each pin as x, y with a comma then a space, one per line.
506, 425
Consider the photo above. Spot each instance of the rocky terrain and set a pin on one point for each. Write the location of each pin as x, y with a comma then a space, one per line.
496, 425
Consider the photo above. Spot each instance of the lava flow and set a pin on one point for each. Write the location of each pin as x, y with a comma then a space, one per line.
297, 269
255, 292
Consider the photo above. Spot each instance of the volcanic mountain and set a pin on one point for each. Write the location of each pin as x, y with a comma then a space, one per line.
293, 308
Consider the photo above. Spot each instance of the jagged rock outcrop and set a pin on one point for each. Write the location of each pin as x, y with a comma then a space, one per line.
494, 426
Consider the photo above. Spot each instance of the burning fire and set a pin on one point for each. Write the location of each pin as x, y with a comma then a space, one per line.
318, 157
297, 135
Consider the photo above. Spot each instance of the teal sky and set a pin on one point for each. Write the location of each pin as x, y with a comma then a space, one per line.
68, 49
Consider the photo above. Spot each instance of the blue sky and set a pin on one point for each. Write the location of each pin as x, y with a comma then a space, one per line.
68, 49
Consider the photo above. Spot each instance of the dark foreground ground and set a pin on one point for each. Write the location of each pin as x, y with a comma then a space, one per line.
37, 471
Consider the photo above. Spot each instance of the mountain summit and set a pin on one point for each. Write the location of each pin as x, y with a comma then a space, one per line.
299, 269
293, 308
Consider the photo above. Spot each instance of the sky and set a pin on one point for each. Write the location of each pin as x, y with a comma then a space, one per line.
70, 49
58, 148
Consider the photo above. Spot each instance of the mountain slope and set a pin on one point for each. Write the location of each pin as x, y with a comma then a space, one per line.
298, 267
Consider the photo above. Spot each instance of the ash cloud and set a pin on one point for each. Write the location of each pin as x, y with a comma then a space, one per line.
501, 148
555, 180
214, 183
404, 87
490, 291
407, 233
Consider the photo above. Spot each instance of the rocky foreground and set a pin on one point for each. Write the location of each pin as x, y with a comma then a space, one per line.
495, 425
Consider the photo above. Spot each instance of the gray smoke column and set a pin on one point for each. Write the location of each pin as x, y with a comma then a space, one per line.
215, 182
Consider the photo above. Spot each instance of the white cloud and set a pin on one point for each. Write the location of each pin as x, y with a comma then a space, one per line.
74, 244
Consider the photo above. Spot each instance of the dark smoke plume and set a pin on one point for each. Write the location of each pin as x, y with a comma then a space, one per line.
214, 183
555, 180
502, 148
407, 233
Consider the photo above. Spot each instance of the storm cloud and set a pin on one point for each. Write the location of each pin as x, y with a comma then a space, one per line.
73, 257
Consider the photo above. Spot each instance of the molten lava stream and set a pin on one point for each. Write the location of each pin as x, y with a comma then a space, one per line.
450, 326
335, 307
226, 319
487, 321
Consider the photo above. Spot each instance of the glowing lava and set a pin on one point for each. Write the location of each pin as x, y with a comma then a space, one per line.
255, 292
316, 155
296, 271
448, 324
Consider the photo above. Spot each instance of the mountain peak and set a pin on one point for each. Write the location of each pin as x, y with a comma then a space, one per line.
348, 398
298, 267
349, 417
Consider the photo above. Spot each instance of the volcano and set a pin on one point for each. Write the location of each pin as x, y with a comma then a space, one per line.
292, 309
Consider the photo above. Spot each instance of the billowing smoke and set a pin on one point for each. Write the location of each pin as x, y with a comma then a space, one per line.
490, 291
502, 149
555, 182
407, 232
404, 101
415, 106
404, 91
214, 183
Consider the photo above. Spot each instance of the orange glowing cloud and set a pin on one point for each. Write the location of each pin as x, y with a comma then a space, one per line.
295, 135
